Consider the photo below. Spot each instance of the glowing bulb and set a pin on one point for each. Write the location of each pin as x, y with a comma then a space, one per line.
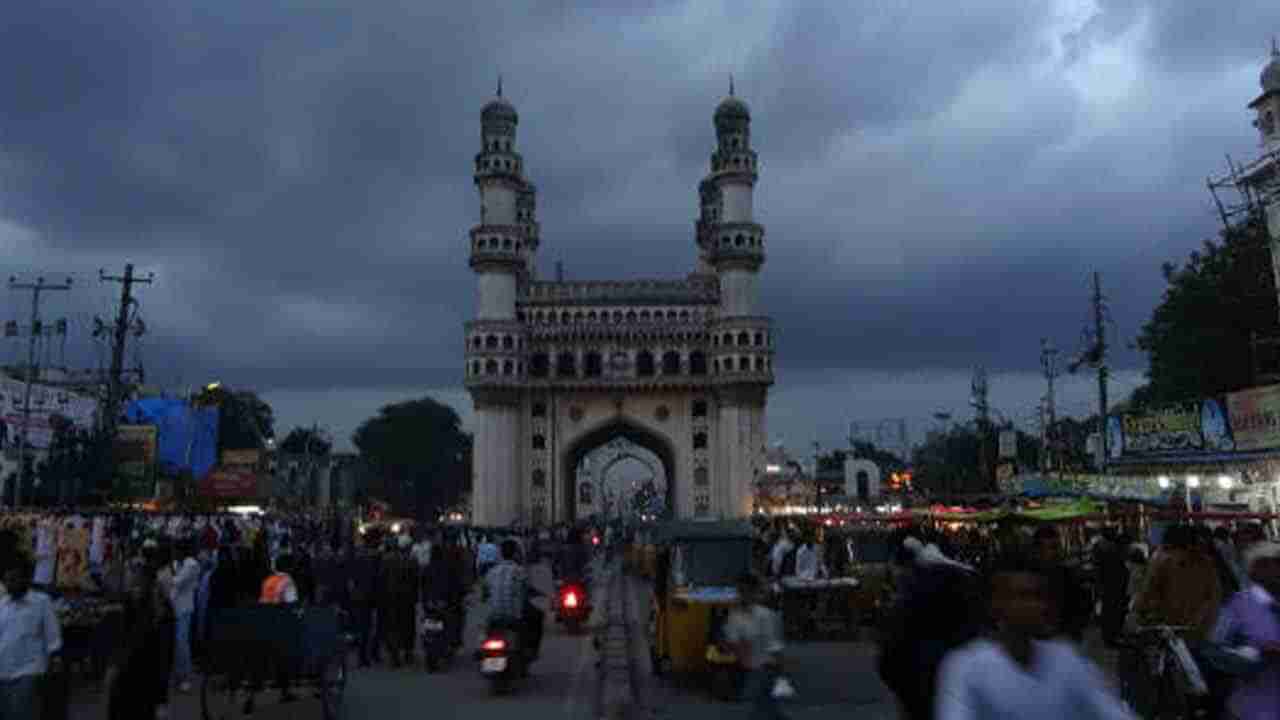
1225, 482
1193, 481
1163, 481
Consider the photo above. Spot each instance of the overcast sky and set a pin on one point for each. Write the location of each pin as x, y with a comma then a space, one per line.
938, 179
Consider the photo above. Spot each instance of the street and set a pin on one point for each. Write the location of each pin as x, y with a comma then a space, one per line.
832, 679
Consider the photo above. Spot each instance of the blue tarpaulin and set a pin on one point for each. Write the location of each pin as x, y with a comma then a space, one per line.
187, 437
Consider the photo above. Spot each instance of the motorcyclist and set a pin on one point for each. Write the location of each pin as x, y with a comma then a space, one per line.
508, 592
575, 560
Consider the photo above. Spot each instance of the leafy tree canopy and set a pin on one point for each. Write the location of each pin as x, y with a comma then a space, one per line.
305, 440
948, 461
1198, 338
419, 455
245, 420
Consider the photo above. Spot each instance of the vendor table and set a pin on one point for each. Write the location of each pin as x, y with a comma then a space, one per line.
810, 607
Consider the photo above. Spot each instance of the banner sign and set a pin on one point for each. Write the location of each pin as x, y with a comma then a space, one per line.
241, 457
1255, 417
46, 402
1170, 429
134, 451
230, 482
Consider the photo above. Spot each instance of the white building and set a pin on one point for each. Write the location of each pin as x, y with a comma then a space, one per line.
680, 367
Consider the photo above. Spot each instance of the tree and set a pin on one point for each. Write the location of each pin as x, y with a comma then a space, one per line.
947, 463
419, 454
245, 420
306, 441
1198, 340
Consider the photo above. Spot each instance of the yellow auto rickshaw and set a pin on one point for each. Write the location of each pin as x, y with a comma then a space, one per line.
697, 568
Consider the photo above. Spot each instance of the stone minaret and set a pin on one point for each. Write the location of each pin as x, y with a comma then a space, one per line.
731, 244
502, 249
1265, 175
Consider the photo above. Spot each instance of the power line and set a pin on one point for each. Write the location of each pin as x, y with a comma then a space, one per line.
126, 323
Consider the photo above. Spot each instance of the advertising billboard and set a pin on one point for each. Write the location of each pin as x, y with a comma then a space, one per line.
1255, 417
230, 482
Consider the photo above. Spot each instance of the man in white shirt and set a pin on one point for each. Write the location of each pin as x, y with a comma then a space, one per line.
754, 632
778, 555
487, 556
422, 551
808, 564
186, 580
1013, 674
29, 635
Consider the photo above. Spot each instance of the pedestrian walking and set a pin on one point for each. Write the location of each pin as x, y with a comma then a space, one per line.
29, 637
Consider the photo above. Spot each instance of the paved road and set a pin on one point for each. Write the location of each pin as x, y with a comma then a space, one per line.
562, 685
833, 679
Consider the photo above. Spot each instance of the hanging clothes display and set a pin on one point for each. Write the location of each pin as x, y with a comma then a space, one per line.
73, 555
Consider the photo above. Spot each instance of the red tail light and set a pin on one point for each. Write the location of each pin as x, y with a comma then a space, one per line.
571, 599
494, 645
595, 540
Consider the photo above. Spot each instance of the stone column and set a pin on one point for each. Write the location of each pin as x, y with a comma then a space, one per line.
739, 435
497, 484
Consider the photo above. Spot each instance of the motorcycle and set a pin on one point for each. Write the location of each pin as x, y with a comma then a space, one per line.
437, 646
573, 606
503, 655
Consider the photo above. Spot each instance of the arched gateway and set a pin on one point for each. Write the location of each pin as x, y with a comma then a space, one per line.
679, 367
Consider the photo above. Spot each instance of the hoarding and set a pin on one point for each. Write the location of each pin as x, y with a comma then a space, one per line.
230, 482
46, 401
1255, 417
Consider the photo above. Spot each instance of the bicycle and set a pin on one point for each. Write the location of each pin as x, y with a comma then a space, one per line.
1158, 676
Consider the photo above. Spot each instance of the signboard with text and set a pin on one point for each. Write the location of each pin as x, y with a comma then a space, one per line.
1255, 417
230, 482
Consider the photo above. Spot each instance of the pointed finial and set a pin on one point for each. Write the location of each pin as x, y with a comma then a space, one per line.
499, 84
1275, 49
730, 84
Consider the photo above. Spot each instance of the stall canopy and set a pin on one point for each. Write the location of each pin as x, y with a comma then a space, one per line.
187, 437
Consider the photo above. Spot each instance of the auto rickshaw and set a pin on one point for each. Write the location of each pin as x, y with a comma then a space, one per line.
697, 568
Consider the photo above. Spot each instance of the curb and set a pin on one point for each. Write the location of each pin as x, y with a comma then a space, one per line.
617, 691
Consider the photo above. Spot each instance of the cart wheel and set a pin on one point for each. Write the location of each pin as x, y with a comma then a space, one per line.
333, 688
219, 699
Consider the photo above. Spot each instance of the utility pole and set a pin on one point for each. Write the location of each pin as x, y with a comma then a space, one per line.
29, 376
1100, 352
979, 401
1048, 362
120, 334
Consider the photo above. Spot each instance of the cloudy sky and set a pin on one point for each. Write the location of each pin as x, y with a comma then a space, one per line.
938, 182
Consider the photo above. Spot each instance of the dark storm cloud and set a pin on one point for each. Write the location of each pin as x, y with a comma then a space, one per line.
298, 172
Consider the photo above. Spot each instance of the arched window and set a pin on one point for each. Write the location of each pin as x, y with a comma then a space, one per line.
539, 478
698, 363
644, 316
540, 317
744, 339
684, 316
728, 340
508, 367
491, 342
738, 241
539, 409
644, 364
631, 316
584, 494
475, 368
700, 441
565, 317
594, 364
477, 341
715, 340
591, 316
699, 408
566, 365
539, 442
579, 317
715, 365
671, 314
700, 478
491, 367
759, 339
540, 367
671, 363
508, 342
744, 363
617, 316
759, 364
